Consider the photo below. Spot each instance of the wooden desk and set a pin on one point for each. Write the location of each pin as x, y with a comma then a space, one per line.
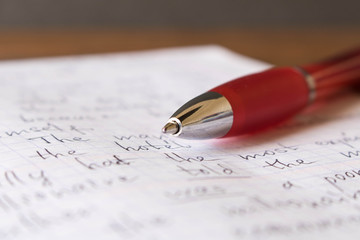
279, 46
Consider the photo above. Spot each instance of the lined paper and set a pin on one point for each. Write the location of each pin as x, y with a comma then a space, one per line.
82, 155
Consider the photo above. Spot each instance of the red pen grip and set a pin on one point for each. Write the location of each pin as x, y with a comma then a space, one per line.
263, 99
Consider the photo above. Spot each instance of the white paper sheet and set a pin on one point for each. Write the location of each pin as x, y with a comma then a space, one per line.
82, 156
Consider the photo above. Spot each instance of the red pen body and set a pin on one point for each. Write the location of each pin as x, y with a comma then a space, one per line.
261, 100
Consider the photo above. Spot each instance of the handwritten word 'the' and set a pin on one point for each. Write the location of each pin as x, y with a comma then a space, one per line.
179, 158
277, 164
46, 153
49, 139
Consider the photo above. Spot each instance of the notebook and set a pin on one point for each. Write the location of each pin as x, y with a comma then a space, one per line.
82, 155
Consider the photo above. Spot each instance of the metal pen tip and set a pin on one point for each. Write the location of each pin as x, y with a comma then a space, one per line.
171, 127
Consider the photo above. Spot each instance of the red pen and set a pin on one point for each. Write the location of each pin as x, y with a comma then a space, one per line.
260, 100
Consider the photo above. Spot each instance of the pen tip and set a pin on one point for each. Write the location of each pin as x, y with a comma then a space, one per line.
171, 128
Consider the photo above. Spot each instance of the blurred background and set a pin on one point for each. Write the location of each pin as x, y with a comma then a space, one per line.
278, 31
177, 13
